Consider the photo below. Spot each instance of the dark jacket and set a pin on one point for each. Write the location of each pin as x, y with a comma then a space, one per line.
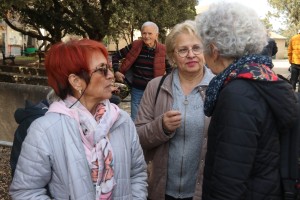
24, 117
242, 161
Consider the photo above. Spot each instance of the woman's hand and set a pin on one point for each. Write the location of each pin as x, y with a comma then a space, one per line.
171, 120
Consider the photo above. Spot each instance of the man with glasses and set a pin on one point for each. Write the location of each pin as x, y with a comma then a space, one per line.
143, 60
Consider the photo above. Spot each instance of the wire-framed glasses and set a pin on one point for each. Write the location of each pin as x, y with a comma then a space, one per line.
184, 51
103, 69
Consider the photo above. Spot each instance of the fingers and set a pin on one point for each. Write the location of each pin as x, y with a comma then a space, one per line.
119, 77
171, 120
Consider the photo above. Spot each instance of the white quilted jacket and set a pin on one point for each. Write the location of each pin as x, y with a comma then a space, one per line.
53, 154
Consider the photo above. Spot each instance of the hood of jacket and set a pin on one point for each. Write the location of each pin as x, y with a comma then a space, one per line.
278, 93
281, 99
31, 110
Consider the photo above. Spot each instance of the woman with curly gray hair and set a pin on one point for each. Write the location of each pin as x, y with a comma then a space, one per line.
248, 104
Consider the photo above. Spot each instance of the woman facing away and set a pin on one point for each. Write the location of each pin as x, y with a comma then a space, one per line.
85, 147
173, 131
249, 107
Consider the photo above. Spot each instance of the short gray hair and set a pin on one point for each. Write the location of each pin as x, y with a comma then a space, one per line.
150, 24
233, 28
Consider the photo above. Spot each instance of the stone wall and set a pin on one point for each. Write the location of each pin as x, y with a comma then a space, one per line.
13, 96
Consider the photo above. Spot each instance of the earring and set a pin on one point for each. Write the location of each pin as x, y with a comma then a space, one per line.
80, 92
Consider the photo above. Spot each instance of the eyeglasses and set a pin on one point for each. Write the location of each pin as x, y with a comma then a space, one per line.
183, 52
102, 69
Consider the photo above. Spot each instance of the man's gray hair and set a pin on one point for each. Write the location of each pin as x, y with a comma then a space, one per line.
150, 24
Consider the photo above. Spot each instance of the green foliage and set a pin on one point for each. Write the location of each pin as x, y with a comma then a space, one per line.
93, 18
267, 23
289, 10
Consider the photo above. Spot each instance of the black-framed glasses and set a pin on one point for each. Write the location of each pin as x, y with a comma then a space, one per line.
102, 69
184, 51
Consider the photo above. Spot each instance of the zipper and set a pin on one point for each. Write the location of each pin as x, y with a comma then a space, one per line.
186, 102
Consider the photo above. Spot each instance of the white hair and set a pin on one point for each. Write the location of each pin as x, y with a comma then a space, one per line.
233, 28
150, 24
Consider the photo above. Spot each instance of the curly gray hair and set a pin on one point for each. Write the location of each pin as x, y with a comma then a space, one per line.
235, 30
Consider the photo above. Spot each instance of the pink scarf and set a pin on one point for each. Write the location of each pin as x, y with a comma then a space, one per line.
95, 138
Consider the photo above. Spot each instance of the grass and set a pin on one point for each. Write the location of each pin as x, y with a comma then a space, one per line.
32, 61
26, 58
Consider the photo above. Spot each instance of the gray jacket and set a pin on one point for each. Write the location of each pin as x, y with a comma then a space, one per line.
155, 142
53, 154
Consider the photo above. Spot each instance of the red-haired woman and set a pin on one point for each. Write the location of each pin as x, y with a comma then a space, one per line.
68, 148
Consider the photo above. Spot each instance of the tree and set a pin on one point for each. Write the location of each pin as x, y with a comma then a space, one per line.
92, 18
289, 10
164, 13
58, 18
266, 21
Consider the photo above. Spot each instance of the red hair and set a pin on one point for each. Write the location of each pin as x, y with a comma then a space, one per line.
72, 57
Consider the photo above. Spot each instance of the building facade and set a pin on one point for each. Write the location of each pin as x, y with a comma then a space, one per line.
13, 42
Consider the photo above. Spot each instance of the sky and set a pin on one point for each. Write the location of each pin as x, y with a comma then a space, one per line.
260, 6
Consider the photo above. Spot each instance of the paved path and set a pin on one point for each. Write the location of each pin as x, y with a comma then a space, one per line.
125, 104
281, 67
